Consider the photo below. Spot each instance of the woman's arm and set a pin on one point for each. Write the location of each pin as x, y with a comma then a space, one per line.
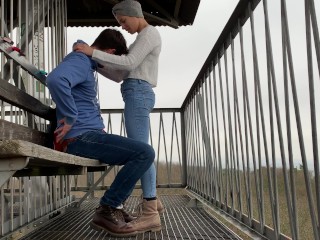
142, 46
114, 75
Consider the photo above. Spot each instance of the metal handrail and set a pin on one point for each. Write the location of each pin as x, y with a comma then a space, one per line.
241, 132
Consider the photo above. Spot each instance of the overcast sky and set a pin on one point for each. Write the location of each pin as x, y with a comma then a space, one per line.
184, 51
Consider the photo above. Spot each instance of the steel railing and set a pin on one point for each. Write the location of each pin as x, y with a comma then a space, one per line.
246, 137
251, 136
166, 139
37, 28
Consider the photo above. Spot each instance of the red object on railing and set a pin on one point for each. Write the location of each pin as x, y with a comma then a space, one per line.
17, 50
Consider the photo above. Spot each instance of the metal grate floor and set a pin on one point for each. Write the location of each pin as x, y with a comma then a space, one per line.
178, 222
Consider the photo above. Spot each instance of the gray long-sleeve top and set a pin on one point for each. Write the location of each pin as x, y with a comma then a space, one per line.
141, 62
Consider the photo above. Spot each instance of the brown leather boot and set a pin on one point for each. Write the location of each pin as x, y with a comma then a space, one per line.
127, 216
149, 219
160, 206
112, 221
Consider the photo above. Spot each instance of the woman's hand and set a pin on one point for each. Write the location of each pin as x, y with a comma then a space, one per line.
62, 130
84, 48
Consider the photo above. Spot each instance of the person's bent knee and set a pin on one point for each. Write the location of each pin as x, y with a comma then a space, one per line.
150, 153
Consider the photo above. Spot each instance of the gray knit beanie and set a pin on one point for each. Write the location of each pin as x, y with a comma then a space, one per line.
128, 8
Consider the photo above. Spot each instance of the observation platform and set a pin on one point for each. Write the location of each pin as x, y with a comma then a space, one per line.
181, 220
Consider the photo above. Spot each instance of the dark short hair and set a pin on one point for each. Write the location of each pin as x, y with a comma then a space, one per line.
111, 38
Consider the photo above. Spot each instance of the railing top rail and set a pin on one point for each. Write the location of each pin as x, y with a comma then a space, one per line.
240, 12
155, 110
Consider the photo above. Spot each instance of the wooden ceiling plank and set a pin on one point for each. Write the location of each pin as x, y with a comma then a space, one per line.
112, 2
171, 23
160, 14
159, 8
177, 9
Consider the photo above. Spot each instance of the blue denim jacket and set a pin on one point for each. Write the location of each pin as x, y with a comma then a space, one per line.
73, 88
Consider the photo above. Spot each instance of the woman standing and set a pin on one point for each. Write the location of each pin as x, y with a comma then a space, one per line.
139, 71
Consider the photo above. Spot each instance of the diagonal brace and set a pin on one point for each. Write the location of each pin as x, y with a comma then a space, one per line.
93, 187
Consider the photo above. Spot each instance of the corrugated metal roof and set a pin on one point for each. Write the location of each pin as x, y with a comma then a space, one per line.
97, 13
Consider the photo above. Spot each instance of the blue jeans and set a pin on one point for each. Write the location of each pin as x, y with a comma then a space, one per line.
139, 100
135, 156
